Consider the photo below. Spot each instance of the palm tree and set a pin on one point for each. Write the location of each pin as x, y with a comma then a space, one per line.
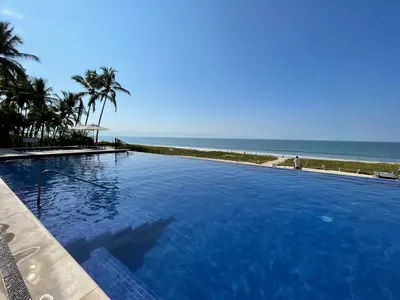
41, 99
108, 90
10, 119
51, 120
90, 84
10, 68
19, 94
71, 106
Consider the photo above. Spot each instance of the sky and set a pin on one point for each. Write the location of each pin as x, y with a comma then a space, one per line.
312, 69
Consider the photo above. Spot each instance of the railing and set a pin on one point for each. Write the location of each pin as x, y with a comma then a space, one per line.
118, 142
66, 175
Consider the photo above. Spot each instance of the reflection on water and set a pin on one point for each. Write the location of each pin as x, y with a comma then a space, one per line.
119, 156
63, 196
129, 245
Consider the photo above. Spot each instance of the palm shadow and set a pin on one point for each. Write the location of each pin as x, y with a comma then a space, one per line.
129, 245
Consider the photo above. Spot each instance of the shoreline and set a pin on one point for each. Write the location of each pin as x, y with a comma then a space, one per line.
280, 155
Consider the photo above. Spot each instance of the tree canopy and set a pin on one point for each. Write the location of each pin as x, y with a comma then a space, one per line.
30, 108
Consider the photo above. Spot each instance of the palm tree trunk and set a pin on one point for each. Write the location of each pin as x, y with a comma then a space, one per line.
101, 115
25, 119
54, 133
88, 113
42, 135
79, 116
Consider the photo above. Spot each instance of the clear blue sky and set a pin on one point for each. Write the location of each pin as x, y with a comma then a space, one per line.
313, 69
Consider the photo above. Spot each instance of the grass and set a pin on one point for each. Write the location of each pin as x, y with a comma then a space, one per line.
344, 166
229, 156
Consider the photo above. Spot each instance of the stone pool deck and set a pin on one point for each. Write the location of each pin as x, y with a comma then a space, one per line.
47, 269
6, 154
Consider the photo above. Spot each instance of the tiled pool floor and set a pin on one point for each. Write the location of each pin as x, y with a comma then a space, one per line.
175, 228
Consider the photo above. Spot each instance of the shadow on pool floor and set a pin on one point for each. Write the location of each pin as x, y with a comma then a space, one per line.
129, 245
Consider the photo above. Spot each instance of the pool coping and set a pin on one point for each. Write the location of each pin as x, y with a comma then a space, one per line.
47, 269
10, 155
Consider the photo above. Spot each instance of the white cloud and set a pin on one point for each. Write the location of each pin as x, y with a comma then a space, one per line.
11, 13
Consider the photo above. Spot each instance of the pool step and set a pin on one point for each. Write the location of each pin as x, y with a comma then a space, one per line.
115, 278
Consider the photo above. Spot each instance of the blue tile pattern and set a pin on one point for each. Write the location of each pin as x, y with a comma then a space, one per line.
120, 281
175, 228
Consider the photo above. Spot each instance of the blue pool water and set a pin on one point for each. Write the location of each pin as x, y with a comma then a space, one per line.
176, 228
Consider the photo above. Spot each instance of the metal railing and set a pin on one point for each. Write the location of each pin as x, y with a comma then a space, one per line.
66, 175
118, 142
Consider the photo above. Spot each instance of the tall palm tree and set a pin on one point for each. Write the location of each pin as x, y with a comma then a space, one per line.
108, 90
9, 55
41, 99
90, 84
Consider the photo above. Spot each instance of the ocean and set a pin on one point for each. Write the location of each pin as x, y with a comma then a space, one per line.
362, 151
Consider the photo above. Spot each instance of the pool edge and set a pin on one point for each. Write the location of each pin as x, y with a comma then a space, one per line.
46, 267
30, 155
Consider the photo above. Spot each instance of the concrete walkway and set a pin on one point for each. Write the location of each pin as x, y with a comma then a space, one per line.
274, 162
330, 172
47, 269
7, 151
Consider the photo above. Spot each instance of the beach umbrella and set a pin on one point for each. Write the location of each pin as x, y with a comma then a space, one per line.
91, 127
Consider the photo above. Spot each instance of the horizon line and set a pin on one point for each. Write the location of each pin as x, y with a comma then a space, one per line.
248, 138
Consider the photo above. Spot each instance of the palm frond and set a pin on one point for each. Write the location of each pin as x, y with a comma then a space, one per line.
79, 79
121, 89
112, 98
9, 42
11, 69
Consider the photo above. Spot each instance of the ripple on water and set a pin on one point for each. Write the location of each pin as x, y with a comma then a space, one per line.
326, 219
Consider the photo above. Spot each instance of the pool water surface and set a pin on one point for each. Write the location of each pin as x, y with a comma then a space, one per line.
180, 228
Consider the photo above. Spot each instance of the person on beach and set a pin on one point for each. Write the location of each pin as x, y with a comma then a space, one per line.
297, 164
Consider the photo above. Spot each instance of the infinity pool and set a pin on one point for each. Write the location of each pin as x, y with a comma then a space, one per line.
176, 228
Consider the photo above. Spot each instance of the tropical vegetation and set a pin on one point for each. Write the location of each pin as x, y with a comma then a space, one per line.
29, 107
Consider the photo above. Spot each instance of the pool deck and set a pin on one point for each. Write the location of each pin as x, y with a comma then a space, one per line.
46, 268
330, 172
6, 154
